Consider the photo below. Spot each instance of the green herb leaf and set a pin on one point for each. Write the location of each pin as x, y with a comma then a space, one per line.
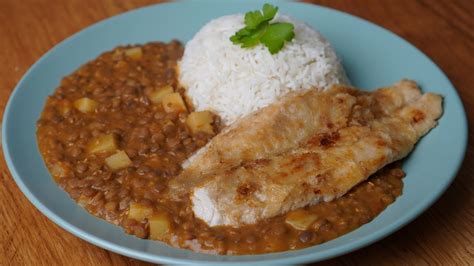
258, 29
276, 35
238, 36
269, 12
253, 19
254, 38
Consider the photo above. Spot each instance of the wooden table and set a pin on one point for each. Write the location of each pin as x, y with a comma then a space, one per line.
443, 235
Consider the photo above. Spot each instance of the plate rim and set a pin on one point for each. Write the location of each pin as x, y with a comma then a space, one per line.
150, 257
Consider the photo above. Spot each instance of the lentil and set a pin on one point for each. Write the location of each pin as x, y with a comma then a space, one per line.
157, 142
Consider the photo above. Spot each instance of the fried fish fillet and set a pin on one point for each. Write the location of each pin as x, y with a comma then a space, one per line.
283, 125
320, 168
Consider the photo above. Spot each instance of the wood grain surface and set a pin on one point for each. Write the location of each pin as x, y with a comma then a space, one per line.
443, 235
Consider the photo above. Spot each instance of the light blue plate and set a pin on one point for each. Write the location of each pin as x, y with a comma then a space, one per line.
372, 56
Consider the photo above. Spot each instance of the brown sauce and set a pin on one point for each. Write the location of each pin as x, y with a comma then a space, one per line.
155, 142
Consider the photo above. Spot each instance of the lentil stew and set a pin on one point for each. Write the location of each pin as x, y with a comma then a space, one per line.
117, 130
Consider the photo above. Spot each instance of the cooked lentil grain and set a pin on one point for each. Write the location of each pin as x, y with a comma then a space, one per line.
120, 83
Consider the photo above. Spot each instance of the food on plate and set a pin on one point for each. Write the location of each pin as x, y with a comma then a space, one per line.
259, 29
117, 161
159, 94
281, 126
227, 149
200, 122
160, 226
320, 168
85, 105
232, 81
174, 103
102, 144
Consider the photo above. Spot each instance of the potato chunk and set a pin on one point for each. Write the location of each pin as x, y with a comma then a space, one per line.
200, 122
86, 105
160, 225
139, 211
102, 144
134, 53
118, 161
59, 170
300, 219
174, 103
83, 201
158, 95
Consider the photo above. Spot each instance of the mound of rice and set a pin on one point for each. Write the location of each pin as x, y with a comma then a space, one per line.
233, 81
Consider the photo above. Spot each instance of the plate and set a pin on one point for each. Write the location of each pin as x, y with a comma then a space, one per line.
372, 56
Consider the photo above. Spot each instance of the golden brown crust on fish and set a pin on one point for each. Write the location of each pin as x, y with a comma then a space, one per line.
285, 124
381, 127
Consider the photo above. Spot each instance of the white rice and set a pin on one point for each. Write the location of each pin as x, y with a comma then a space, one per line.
233, 81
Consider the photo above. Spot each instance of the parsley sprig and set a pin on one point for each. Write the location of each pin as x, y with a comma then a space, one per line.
258, 29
